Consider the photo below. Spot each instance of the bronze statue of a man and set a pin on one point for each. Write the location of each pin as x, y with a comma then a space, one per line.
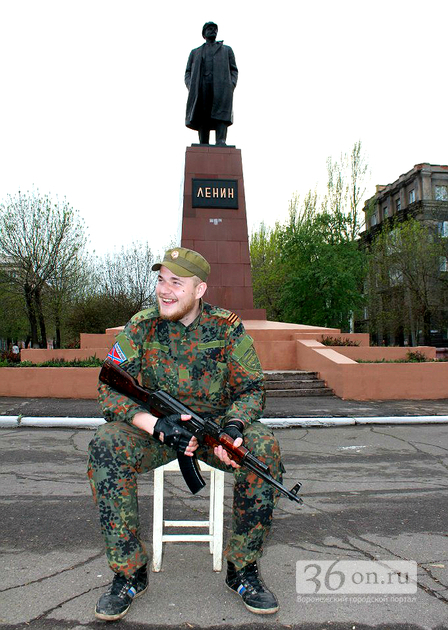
210, 77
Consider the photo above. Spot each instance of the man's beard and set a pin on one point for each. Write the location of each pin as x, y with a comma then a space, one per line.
180, 313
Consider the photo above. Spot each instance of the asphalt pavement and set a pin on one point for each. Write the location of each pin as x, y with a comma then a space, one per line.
372, 493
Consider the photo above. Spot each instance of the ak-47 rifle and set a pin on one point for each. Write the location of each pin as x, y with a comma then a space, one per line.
206, 431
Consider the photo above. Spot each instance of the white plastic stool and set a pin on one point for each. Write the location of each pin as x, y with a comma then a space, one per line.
214, 523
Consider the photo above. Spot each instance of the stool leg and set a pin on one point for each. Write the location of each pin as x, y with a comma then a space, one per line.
211, 517
157, 525
218, 517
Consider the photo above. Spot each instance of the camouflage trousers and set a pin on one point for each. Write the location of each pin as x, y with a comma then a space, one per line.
119, 452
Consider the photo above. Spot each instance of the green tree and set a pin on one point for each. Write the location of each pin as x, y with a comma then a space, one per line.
267, 270
91, 313
68, 285
310, 269
324, 270
13, 321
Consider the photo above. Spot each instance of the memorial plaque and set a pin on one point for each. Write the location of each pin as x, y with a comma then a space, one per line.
215, 193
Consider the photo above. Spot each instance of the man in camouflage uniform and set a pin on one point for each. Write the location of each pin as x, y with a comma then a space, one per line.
201, 355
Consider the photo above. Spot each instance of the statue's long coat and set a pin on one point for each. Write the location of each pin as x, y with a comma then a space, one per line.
225, 76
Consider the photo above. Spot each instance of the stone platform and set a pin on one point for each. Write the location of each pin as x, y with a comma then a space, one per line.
280, 346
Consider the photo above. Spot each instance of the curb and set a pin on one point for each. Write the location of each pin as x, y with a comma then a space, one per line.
284, 423
11, 422
8, 422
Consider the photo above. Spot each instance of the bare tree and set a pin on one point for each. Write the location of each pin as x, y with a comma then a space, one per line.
127, 277
41, 242
346, 188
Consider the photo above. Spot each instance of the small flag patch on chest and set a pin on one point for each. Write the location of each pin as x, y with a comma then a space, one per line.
117, 355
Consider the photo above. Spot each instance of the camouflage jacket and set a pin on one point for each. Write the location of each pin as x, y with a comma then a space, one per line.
210, 365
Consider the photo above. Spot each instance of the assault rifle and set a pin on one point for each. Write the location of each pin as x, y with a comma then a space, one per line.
206, 431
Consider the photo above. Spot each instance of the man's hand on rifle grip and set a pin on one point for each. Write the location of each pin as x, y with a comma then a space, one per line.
147, 422
168, 431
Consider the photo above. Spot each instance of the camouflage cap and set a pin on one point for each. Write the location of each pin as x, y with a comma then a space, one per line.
184, 263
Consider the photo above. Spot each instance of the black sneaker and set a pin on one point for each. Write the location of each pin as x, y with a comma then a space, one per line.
247, 583
116, 601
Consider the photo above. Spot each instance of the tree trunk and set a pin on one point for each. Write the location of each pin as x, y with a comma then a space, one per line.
43, 330
57, 343
31, 314
399, 335
427, 327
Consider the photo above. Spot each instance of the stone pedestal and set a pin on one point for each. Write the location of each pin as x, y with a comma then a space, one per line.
214, 227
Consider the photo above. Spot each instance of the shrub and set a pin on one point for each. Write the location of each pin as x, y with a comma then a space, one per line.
337, 341
10, 357
90, 362
416, 357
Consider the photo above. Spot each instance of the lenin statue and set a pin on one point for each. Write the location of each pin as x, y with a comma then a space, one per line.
210, 77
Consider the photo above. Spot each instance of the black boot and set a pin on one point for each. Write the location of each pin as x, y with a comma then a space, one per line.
116, 601
247, 583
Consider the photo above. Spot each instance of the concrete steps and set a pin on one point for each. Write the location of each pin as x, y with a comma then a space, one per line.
295, 383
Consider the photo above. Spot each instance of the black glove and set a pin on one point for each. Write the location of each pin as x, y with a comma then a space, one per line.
234, 428
173, 435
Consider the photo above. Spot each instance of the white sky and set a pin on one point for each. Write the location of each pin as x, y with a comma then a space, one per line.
93, 101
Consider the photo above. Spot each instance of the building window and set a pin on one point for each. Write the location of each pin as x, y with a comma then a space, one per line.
385, 211
393, 243
397, 204
440, 193
412, 196
443, 263
373, 220
442, 228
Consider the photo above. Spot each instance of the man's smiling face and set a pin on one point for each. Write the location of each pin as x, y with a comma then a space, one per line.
178, 297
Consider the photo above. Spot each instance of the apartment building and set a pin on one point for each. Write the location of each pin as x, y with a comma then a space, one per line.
422, 194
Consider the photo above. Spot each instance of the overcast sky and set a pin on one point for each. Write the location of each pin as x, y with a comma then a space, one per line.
93, 100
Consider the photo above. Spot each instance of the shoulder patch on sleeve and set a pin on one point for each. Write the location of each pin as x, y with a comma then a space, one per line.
117, 355
122, 351
251, 362
246, 356
148, 313
242, 347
